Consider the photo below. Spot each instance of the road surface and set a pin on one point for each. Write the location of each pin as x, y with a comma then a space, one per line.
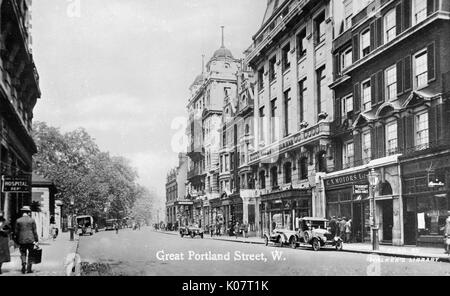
148, 253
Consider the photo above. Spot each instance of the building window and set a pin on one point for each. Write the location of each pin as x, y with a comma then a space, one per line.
261, 79
346, 107
365, 43
273, 120
422, 138
391, 83
301, 44
319, 28
262, 179
261, 124
301, 94
366, 95
274, 177
287, 173
285, 57
346, 58
390, 26
421, 69
391, 138
348, 13
321, 88
272, 73
303, 168
322, 162
348, 155
420, 10
289, 119
366, 147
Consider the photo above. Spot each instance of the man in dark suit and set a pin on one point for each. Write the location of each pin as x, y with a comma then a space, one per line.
26, 236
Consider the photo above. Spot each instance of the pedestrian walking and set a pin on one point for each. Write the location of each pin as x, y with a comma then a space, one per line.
348, 231
244, 229
333, 226
116, 227
26, 237
236, 229
4, 241
53, 231
342, 228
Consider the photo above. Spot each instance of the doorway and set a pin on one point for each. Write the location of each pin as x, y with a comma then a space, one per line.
357, 222
388, 220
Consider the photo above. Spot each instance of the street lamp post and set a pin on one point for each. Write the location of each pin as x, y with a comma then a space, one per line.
71, 228
373, 181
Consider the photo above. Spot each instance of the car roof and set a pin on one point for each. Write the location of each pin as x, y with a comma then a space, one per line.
314, 219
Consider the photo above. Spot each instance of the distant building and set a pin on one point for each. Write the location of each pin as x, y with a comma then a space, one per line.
178, 205
19, 93
45, 209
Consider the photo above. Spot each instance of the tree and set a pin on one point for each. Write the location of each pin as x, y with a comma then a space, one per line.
84, 174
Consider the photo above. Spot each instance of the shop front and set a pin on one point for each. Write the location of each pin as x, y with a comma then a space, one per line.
283, 209
426, 200
347, 196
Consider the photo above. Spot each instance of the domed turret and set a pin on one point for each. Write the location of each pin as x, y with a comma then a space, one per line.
223, 52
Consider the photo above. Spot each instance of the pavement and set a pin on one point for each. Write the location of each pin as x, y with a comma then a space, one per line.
57, 257
437, 254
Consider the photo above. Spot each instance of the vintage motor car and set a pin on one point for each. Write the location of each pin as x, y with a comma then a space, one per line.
282, 237
315, 232
191, 231
311, 232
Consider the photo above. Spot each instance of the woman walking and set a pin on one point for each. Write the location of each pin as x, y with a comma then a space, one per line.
4, 241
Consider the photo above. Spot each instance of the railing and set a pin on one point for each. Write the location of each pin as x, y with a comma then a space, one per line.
194, 172
304, 136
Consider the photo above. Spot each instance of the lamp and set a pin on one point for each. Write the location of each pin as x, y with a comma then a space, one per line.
373, 181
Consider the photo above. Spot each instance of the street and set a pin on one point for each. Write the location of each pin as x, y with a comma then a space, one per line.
150, 253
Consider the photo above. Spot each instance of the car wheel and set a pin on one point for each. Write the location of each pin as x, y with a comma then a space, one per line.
339, 246
306, 237
293, 242
315, 244
266, 241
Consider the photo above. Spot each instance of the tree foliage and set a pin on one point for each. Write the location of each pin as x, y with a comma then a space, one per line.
98, 183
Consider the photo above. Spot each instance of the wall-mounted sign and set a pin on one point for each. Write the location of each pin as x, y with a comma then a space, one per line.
347, 179
360, 189
15, 184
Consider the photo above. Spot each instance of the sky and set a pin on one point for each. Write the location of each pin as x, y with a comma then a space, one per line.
121, 69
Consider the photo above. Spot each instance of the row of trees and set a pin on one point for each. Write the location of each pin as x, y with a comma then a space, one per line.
99, 184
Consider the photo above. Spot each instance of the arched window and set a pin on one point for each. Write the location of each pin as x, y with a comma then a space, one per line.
386, 188
274, 177
303, 168
287, 172
262, 179
322, 161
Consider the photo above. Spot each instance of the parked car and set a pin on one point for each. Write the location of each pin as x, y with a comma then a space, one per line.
312, 232
191, 231
282, 237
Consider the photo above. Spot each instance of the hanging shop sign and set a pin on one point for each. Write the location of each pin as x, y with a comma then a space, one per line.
360, 189
15, 184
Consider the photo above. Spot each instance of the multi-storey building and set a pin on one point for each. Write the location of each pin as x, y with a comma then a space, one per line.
178, 205
236, 175
19, 86
205, 110
391, 84
292, 60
